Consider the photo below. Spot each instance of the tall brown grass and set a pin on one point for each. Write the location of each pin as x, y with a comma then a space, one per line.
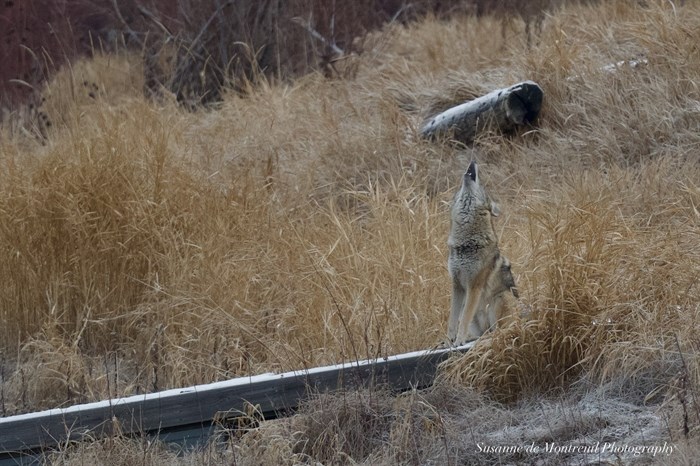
144, 247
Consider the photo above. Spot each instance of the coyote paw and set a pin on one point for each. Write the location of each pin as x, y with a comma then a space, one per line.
443, 344
463, 341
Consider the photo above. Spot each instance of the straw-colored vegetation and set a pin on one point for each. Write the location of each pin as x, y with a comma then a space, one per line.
143, 247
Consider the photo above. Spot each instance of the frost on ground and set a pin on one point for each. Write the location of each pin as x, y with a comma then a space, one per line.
448, 425
588, 430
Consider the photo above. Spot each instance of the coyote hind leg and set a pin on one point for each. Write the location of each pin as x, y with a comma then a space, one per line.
474, 296
459, 295
475, 291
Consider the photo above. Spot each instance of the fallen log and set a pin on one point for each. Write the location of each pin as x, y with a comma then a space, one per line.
502, 109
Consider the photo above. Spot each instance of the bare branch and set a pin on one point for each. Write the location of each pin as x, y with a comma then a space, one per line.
222, 39
208, 23
317, 35
131, 32
153, 18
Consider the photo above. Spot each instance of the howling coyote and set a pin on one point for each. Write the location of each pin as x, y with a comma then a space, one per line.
481, 276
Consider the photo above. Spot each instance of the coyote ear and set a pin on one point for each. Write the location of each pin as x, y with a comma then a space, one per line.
495, 210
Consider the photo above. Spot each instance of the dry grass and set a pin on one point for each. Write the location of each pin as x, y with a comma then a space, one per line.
145, 248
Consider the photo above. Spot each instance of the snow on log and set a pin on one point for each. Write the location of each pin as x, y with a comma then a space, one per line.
503, 109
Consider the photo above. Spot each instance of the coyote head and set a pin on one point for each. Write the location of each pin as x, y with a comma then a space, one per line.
472, 205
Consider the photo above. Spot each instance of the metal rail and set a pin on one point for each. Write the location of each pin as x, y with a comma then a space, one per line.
189, 417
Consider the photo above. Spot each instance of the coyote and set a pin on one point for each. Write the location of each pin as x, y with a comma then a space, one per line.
481, 276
